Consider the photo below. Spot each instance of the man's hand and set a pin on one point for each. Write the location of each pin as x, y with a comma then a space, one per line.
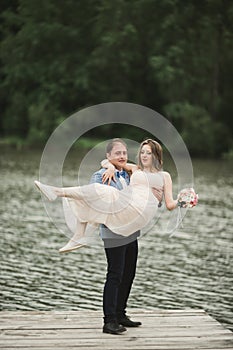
158, 193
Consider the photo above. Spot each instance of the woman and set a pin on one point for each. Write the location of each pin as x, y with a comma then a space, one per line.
150, 160
123, 212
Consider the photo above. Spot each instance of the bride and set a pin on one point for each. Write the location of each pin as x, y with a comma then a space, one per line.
125, 211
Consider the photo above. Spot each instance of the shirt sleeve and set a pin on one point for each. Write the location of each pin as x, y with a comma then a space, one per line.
96, 178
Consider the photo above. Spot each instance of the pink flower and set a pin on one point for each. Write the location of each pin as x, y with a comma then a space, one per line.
188, 197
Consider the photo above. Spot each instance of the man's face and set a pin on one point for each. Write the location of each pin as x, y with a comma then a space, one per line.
118, 155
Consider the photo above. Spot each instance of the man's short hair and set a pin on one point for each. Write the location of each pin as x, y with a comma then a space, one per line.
111, 144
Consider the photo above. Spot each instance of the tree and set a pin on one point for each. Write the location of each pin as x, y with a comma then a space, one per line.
172, 56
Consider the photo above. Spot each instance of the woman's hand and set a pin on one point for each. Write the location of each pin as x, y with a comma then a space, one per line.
109, 175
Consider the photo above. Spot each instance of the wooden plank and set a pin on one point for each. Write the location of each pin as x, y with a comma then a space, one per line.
148, 312
114, 347
161, 329
91, 313
123, 342
87, 317
57, 324
84, 333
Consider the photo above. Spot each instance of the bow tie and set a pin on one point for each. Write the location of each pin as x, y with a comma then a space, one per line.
121, 173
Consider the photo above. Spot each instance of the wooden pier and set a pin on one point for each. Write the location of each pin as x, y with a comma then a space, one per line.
64, 330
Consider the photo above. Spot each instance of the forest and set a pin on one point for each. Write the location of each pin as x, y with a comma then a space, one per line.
173, 56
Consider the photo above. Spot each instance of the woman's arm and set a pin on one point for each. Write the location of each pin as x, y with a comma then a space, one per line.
109, 174
107, 165
129, 167
168, 197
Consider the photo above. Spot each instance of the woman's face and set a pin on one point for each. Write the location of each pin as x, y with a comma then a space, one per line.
146, 156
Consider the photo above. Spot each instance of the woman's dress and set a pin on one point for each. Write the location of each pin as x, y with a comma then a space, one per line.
123, 212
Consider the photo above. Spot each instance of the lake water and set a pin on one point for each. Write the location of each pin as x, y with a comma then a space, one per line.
191, 269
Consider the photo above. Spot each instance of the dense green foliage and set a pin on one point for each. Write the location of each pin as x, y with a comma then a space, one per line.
173, 56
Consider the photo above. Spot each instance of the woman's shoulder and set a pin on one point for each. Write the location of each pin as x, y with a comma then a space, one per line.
163, 172
166, 176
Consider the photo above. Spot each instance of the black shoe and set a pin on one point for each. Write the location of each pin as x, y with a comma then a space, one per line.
125, 321
113, 328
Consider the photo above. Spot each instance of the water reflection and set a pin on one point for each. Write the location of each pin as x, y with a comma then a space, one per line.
193, 269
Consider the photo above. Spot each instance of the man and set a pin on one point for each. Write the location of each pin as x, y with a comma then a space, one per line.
121, 252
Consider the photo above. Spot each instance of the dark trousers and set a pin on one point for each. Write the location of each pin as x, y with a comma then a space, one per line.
122, 263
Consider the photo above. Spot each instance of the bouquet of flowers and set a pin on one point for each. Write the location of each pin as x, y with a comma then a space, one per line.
187, 198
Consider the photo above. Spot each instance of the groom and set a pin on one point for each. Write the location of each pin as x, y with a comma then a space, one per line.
121, 252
